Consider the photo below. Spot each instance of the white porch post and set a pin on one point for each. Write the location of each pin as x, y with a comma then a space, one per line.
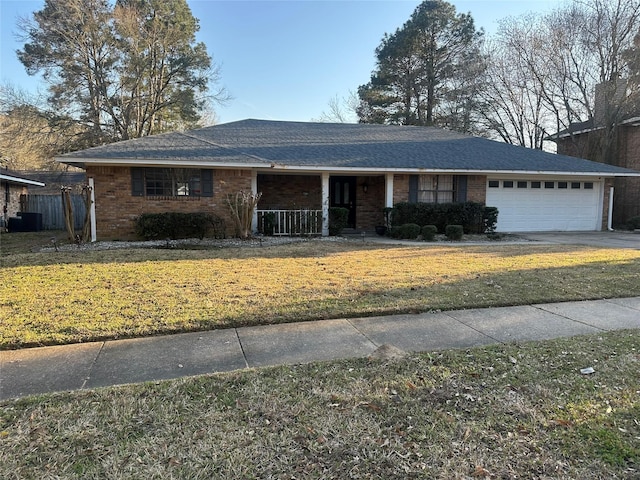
388, 191
325, 204
92, 209
254, 191
610, 211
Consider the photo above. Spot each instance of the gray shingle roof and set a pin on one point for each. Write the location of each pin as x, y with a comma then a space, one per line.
262, 143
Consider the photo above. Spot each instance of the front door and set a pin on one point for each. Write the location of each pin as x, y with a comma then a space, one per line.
342, 191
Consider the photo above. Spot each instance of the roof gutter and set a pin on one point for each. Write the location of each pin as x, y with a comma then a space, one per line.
152, 162
278, 167
22, 181
381, 171
633, 122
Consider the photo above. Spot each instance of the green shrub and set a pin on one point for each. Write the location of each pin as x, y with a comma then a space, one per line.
468, 214
489, 219
429, 232
269, 223
174, 225
453, 232
633, 223
410, 231
338, 220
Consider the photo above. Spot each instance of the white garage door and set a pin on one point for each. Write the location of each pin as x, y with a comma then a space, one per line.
545, 205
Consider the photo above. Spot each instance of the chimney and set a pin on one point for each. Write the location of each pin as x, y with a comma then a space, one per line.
610, 98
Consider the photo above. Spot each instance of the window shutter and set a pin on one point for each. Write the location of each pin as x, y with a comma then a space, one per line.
461, 188
206, 179
413, 188
137, 181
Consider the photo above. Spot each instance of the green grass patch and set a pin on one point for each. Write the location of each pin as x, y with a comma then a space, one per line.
504, 411
610, 446
77, 296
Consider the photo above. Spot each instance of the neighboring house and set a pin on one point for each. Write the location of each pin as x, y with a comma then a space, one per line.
303, 169
582, 140
13, 185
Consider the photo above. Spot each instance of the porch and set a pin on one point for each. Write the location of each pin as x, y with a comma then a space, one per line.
298, 204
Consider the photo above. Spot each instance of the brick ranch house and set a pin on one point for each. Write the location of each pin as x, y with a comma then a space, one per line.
303, 169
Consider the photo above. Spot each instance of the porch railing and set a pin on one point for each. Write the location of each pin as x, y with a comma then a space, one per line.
290, 222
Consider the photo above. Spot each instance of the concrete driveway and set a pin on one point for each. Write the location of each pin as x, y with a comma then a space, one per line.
615, 239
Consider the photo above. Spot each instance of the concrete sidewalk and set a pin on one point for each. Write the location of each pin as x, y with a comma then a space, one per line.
98, 364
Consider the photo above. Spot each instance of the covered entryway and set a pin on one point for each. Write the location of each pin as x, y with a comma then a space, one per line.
546, 205
342, 193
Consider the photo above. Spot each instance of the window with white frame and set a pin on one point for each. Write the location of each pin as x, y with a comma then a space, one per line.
436, 189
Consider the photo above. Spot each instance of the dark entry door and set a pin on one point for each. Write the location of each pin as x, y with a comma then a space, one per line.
342, 191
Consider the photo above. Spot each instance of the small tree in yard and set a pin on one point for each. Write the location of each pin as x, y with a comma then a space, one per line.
67, 208
242, 205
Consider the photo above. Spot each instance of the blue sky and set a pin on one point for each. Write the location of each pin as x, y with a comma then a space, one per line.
282, 60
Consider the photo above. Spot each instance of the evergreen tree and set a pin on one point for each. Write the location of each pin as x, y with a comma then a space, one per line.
427, 72
126, 71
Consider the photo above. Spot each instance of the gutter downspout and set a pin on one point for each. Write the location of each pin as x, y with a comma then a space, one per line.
610, 212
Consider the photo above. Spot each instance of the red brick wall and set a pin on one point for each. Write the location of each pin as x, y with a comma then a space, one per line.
370, 204
477, 188
117, 209
630, 147
290, 192
581, 146
626, 189
400, 188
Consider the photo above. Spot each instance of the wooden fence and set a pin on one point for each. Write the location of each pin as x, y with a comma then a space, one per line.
50, 206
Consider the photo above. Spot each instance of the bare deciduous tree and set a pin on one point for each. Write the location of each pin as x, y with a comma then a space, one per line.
30, 135
545, 70
341, 110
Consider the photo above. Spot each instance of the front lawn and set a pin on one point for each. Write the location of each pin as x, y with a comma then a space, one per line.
499, 412
77, 296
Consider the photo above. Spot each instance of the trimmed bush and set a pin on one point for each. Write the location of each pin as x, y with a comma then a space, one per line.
633, 223
407, 231
269, 223
489, 219
174, 225
473, 216
429, 232
453, 232
410, 231
338, 220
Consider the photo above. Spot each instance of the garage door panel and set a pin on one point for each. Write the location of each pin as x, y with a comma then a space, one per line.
546, 209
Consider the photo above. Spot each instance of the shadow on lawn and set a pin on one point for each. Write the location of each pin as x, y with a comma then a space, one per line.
36, 250
346, 300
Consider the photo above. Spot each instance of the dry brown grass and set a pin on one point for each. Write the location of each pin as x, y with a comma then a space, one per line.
64, 297
501, 412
